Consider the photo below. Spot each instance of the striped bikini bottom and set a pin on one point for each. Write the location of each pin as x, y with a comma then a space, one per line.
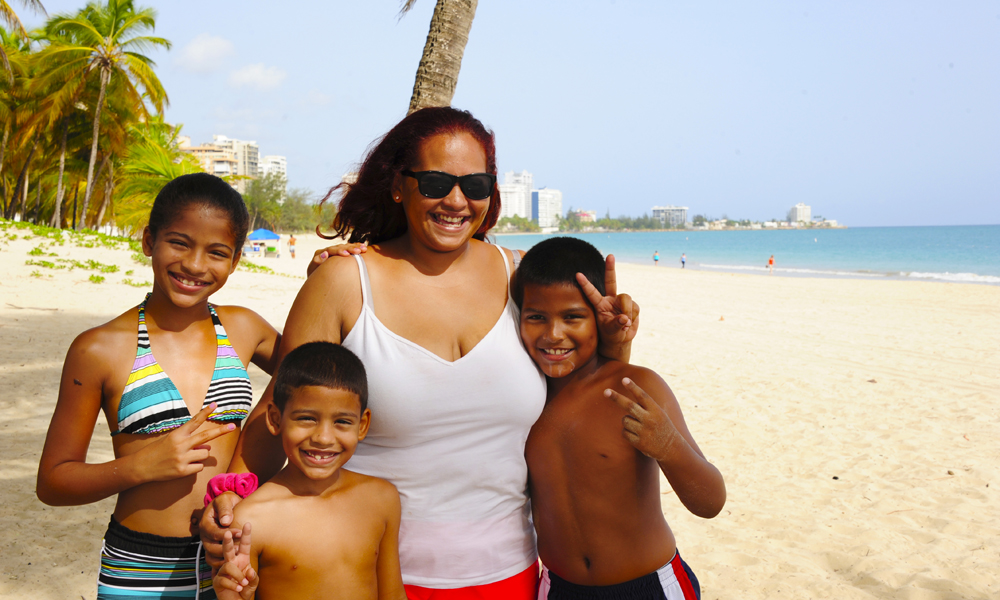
143, 566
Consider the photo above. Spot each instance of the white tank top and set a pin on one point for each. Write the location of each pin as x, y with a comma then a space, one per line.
450, 436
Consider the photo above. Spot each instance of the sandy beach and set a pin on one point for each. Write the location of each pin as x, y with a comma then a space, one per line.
856, 422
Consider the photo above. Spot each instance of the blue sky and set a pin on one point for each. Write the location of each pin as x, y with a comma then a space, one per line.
873, 113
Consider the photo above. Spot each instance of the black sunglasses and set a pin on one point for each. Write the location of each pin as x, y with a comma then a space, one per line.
437, 184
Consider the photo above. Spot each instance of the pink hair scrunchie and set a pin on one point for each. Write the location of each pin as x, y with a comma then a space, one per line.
243, 484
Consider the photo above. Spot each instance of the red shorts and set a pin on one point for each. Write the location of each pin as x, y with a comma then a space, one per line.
523, 586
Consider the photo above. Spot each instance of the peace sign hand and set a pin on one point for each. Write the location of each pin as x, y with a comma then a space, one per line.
181, 452
236, 579
646, 425
617, 314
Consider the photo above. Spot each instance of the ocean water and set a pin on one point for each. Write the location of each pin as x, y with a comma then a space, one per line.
969, 254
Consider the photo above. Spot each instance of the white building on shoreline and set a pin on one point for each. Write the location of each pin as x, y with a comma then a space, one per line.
546, 207
515, 195
274, 164
675, 216
800, 213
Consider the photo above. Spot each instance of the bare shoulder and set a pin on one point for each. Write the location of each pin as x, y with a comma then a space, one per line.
374, 489
330, 297
243, 319
649, 380
108, 341
337, 276
260, 504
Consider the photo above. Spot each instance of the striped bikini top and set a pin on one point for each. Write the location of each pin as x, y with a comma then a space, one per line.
151, 402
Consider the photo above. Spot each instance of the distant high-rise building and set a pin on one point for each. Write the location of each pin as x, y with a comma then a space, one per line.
213, 159
800, 212
274, 164
247, 155
515, 195
546, 207
225, 157
674, 216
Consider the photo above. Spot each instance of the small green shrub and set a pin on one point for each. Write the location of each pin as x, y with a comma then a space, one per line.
97, 278
253, 267
44, 263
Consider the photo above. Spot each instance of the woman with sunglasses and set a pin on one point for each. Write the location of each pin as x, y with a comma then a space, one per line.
451, 389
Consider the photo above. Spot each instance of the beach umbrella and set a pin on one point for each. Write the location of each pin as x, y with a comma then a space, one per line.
263, 234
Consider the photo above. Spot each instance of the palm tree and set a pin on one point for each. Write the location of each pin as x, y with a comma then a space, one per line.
437, 74
8, 16
103, 38
152, 160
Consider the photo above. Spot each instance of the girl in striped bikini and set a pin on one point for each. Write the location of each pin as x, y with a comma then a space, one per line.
173, 386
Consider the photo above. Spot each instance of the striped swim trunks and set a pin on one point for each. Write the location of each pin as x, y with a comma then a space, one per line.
143, 566
672, 581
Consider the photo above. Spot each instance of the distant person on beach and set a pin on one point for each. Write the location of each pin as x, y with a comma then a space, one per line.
316, 526
601, 530
170, 377
683, 260
656, 258
770, 265
291, 245
453, 392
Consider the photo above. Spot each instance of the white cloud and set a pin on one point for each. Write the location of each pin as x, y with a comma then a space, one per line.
205, 53
257, 76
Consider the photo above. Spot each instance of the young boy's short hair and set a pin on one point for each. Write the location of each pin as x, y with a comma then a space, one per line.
557, 261
320, 364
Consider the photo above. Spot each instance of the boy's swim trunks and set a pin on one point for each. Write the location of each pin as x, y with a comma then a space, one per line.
672, 581
136, 564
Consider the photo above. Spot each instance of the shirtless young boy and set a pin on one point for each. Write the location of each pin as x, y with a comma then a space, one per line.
319, 530
594, 455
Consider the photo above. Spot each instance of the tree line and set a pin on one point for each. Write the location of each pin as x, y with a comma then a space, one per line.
84, 142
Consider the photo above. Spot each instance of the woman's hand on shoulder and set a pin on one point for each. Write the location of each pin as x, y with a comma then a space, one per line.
617, 314
320, 256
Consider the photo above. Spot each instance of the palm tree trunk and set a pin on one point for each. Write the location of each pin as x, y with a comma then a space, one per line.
38, 200
24, 194
18, 189
437, 74
75, 196
3, 145
109, 187
105, 77
100, 171
57, 213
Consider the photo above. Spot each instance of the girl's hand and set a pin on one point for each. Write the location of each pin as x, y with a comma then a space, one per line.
320, 256
180, 452
646, 425
236, 580
617, 315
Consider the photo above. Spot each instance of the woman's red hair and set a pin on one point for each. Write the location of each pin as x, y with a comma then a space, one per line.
367, 212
